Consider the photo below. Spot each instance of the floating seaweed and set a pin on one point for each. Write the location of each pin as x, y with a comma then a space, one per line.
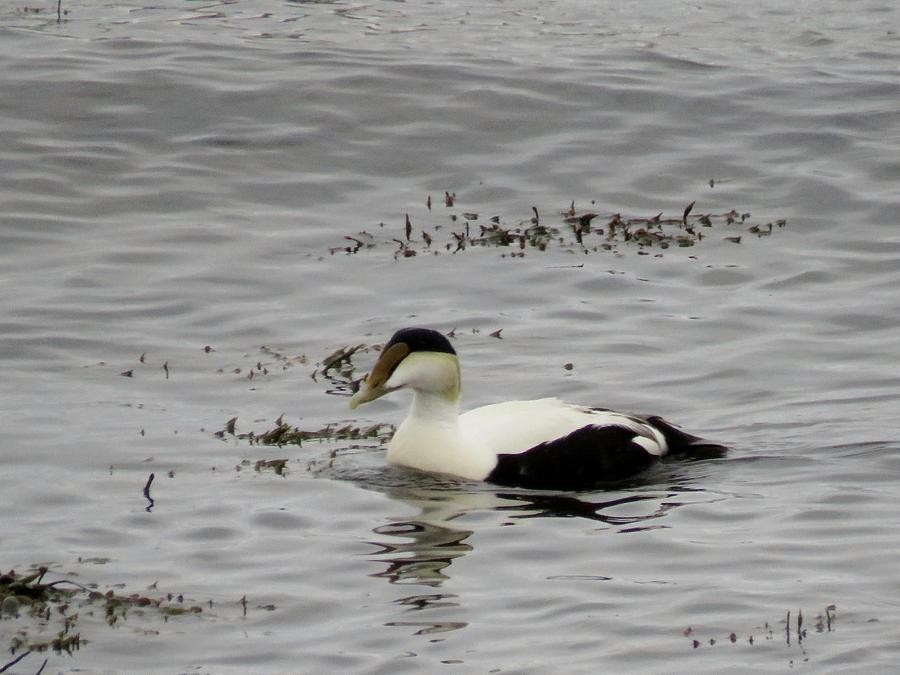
575, 232
277, 466
795, 629
339, 359
285, 434
50, 612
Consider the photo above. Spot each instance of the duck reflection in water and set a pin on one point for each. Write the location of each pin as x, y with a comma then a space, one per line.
420, 550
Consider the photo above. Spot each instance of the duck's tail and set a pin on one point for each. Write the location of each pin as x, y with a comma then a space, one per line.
682, 443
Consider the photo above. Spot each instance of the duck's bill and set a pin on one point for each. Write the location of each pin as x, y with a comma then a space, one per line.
373, 386
366, 394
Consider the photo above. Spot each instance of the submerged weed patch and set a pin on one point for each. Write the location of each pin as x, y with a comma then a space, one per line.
285, 434
573, 230
48, 616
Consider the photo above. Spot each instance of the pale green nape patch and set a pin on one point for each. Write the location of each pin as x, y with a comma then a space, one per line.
450, 371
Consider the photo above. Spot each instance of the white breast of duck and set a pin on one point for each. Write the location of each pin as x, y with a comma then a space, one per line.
542, 443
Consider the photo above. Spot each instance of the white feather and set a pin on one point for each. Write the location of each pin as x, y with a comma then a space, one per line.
515, 426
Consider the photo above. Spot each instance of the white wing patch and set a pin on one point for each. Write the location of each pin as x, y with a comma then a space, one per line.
649, 445
516, 426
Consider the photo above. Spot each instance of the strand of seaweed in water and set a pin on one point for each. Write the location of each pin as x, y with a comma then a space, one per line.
147, 491
14, 661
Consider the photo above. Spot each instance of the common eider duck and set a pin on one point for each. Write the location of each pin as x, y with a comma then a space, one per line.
538, 444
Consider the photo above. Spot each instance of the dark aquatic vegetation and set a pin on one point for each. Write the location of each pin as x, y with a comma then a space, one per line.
792, 630
687, 212
150, 501
579, 235
279, 466
48, 615
340, 358
285, 434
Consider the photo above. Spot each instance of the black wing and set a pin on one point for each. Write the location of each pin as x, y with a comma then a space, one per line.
580, 460
682, 443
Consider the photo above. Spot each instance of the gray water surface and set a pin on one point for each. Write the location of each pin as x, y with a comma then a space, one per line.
177, 176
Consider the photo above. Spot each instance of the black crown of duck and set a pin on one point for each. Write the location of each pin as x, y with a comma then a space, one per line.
543, 443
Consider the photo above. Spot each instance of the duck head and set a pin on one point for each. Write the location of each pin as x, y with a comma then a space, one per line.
416, 358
